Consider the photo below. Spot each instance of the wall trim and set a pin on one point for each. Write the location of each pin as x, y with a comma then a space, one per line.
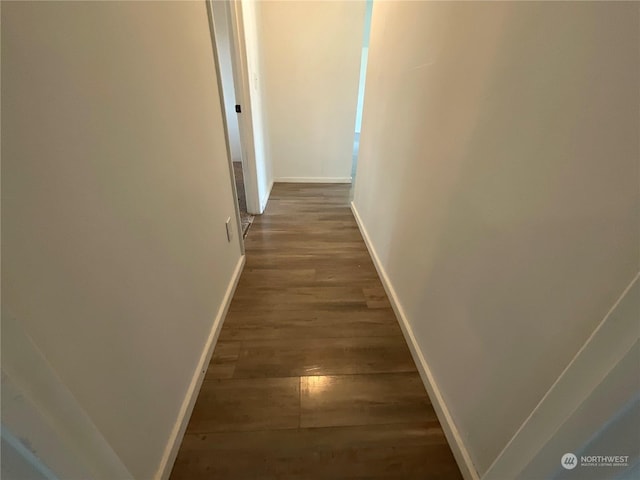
177, 433
313, 180
459, 449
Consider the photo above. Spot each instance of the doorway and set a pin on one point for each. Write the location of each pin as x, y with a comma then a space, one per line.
361, 85
223, 23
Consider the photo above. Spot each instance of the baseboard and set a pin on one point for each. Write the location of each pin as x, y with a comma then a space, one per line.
454, 438
313, 180
175, 439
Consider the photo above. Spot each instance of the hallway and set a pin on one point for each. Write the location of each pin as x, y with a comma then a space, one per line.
311, 376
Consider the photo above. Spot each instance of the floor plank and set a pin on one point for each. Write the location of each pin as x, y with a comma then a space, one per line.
323, 356
397, 451
310, 323
331, 400
239, 404
224, 359
311, 377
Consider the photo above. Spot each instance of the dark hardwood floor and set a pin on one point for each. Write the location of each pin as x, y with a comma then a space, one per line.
311, 377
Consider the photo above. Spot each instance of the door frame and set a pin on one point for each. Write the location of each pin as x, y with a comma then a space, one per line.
241, 83
216, 61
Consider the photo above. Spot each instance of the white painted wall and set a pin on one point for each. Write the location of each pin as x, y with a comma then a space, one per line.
116, 187
498, 185
221, 17
311, 61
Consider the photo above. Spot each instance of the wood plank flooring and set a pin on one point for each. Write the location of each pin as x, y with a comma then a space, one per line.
311, 377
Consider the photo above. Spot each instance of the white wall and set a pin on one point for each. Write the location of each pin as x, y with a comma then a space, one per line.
498, 184
311, 61
221, 18
115, 189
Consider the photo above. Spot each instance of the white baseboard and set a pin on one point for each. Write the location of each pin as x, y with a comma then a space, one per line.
313, 180
460, 452
175, 439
